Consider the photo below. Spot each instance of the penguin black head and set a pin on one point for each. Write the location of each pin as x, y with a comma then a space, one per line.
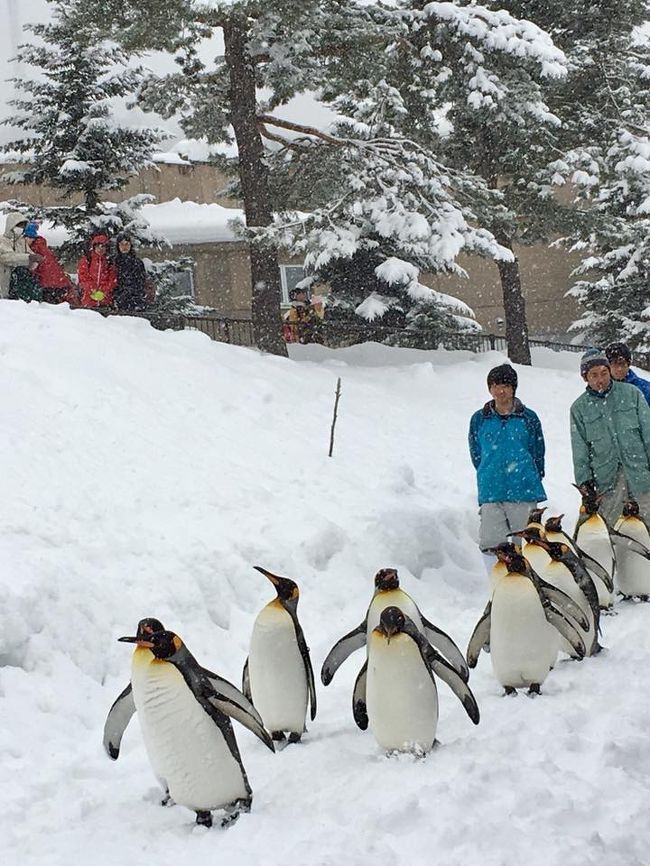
165, 644
631, 509
532, 534
286, 588
555, 549
503, 551
554, 524
391, 621
591, 498
148, 626
535, 515
385, 579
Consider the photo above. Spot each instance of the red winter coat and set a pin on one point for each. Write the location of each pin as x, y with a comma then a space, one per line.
48, 273
97, 279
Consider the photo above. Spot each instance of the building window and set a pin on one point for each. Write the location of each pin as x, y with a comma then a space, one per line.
290, 276
183, 283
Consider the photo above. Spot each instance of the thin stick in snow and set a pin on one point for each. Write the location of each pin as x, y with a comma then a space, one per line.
336, 406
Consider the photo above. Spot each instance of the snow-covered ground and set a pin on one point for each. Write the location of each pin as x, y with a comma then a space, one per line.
145, 473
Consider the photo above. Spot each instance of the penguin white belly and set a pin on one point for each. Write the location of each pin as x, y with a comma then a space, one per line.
182, 740
559, 576
593, 539
537, 557
401, 697
632, 570
392, 598
523, 645
276, 671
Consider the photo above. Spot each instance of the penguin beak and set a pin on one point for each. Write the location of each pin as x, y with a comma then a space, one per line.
140, 641
272, 577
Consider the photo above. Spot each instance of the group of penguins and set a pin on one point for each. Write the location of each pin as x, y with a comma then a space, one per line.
546, 597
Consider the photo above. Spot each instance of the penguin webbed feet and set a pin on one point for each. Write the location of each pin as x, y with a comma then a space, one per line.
204, 819
534, 689
294, 737
167, 799
509, 691
282, 741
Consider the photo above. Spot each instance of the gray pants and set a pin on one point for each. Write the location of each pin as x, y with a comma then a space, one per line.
611, 507
497, 519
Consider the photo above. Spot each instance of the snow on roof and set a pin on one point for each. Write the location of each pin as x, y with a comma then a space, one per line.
180, 222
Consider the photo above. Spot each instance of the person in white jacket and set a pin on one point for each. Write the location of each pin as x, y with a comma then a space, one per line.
14, 252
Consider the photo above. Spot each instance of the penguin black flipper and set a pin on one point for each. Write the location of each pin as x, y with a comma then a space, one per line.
480, 636
246, 682
437, 665
290, 607
565, 627
446, 647
586, 584
599, 570
631, 543
359, 708
344, 647
116, 722
564, 603
231, 702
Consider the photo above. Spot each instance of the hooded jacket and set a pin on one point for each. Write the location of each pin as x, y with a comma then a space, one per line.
14, 252
48, 272
508, 454
608, 431
97, 278
642, 384
131, 276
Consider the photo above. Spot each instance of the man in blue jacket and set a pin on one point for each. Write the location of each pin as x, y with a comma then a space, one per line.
620, 358
506, 444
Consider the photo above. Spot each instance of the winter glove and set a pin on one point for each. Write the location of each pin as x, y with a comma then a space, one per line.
97, 295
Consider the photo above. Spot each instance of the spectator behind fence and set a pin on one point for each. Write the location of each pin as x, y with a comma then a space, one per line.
506, 444
97, 275
610, 439
14, 253
301, 320
131, 290
54, 283
620, 359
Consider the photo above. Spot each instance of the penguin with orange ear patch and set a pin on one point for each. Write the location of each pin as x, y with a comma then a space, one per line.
184, 712
278, 676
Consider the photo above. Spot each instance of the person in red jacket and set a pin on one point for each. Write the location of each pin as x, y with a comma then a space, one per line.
97, 275
54, 282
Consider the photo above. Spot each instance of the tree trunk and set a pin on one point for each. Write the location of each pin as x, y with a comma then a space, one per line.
265, 274
514, 307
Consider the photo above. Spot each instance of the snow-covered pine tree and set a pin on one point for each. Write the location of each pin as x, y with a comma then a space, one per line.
605, 141
70, 140
488, 74
443, 134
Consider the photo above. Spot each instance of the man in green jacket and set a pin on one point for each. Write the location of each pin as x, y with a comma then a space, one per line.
610, 438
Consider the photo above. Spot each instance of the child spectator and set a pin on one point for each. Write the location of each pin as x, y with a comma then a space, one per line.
54, 282
301, 320
97, 275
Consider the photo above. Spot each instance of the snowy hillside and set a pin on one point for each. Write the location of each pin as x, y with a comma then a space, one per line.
146, 473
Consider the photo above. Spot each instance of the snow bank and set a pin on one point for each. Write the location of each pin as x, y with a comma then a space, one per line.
145, 473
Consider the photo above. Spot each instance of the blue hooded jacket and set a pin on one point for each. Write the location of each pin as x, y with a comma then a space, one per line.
642, 384
508, 454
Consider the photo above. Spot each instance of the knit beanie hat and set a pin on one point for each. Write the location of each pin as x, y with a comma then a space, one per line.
593, 358
619, 350
503, 375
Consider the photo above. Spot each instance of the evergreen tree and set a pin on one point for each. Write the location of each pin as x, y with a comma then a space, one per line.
70, 139
605, 140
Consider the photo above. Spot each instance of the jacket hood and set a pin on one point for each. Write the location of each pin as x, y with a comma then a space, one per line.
99, 239
13, 219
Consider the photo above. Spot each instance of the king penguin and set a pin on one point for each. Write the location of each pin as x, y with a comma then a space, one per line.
519, 623
387, 594
592, 538
278, 676
554, 532
184, 713
633, 553
402, 696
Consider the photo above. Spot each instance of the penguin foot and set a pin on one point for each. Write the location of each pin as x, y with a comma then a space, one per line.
608, 611
294, 737
644, 598
278, 736
534, 689
509, 690
204, 819
167, 800
234, 810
